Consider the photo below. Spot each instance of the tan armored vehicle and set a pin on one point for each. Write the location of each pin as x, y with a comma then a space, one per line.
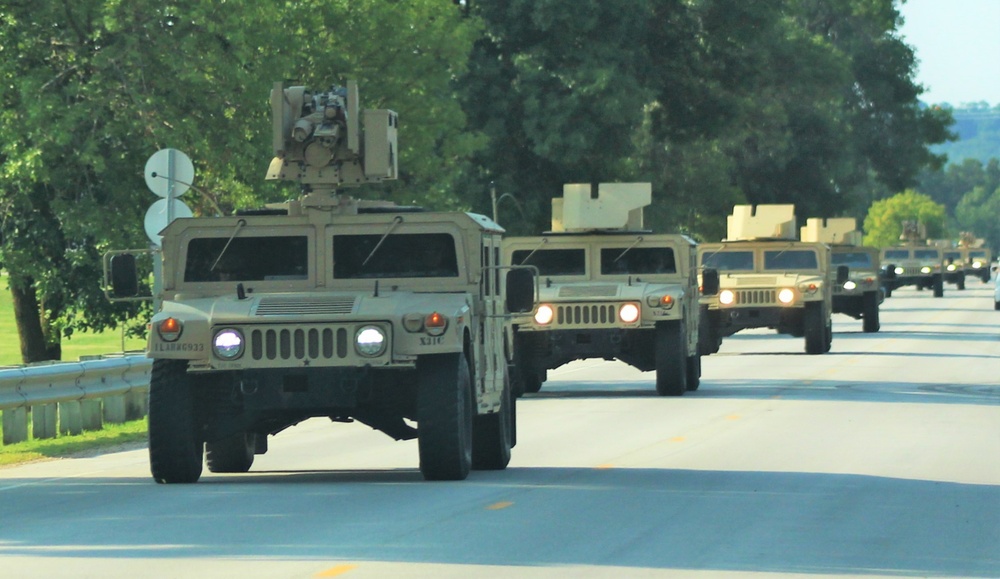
608, 289
861, 294
913, 262
327, 306
974, 257
768, 279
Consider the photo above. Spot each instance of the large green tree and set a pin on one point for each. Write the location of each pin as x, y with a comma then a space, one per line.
884, 223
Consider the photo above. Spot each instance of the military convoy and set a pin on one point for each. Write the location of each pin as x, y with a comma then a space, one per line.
861, 294
768, 279
969, 257
914, 262
609, 289
329, 306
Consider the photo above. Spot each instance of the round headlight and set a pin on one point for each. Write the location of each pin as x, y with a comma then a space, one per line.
786, 295
850, 285
228, 344
899, 271
544, 315
628, 313
977, 264
727, 297
951, 267
369, 341
925, 269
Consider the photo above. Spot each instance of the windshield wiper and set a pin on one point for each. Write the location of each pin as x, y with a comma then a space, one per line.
239, 225
638, 240
396, 221
537, 247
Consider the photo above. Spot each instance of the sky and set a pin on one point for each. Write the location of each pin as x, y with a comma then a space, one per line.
957, 44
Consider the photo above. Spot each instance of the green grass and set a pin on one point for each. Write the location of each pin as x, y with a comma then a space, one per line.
111, 436
81, 344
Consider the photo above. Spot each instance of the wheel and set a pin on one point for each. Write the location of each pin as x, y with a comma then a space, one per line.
671, 359
693, 372
529, 377
961, 282
492, 436
938, 285
231, 454
888, 292
532, 379
815, 328
708, 341
829, 337
869, 313
175, 449
444, 416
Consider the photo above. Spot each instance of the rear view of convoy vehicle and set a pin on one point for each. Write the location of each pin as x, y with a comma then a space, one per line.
861, 294
328, 306
768, 279
913, 263
608, 289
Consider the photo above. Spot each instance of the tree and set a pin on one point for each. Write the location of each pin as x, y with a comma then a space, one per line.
884, 223
977, 213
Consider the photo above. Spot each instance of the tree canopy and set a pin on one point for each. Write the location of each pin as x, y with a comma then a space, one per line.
884, 223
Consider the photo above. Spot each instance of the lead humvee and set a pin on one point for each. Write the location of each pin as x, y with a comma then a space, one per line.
608, 289
329, 306
861, 294
768, 279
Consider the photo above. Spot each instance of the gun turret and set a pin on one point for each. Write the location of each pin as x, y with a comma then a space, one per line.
323, 141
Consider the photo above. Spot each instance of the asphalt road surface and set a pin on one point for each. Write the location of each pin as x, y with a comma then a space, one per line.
879, 458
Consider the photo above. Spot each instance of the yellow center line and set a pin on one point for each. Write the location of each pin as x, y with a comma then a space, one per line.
605, 466
498, 506
335, 571
677, 439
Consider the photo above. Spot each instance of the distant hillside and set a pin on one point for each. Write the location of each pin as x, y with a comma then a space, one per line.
978, 129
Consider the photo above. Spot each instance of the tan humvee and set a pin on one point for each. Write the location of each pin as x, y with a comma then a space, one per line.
608, 289
332, 307
913, 262
768, 279
861, 294
971, 257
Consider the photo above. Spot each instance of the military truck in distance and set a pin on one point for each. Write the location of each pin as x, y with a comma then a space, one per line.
861, 295
913, 262
608, 289
768, 279
329, 306
973, 256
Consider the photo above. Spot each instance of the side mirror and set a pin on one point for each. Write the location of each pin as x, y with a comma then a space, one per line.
124, 276
843, 272
520, 286
709, 282
889, 271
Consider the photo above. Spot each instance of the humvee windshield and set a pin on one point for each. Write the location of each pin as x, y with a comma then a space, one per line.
926, 254
247, 259
790, 259
977, 254
897, 254
399, 255
953, 256
553, 261
637, 260
853, 259
728, 260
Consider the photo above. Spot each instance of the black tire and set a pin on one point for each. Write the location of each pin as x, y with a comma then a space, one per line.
708, 340
996, 305
671, 359
693, 372
531, 379
985, 276
444, 416
231, 454
938, 285
814, 327
961, 282
869, 313
888, 292
175, 448
492, 436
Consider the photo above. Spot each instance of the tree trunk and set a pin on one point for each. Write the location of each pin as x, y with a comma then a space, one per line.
34, 347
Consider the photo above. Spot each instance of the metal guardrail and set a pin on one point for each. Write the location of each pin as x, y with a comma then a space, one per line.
72, 396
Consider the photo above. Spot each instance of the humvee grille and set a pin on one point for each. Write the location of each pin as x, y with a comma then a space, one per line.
910, 271
300, 343
587, 315
756, 297
301, 305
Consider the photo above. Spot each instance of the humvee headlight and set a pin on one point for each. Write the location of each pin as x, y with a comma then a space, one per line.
169, 329
435, 324
925, 269
228, 344
849, 285
628, 313
899, 271
369, 341
977, 264
786, 295
664, 301
727, 297
544, 315
951, 267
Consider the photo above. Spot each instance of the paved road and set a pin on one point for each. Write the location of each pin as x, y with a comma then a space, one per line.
879, 458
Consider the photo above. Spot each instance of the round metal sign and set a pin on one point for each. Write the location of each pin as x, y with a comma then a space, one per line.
169, 173
157, 217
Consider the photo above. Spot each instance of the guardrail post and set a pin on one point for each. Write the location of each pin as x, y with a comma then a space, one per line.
90, 414
15, 425
70, 419
43, 421
114, 409
136, 404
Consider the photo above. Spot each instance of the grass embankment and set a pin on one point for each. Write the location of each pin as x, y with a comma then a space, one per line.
81, 344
